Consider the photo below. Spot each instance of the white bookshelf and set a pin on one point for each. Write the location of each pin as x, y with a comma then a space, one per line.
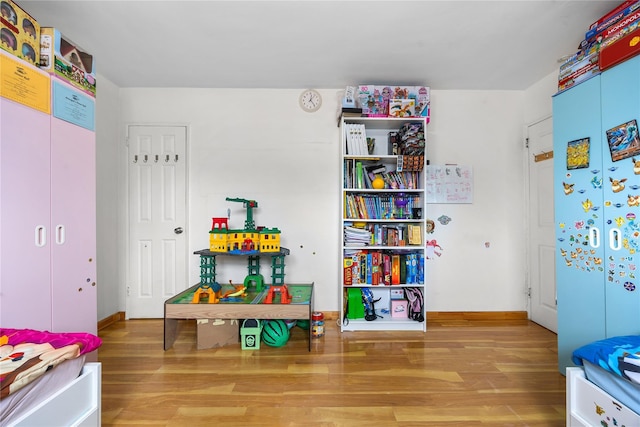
381, 215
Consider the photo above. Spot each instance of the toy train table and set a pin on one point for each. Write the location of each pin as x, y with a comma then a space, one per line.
253, 305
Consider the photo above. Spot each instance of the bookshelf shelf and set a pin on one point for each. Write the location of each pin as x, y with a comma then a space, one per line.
383, 229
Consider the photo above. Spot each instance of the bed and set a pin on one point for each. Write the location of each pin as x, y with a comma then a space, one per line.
44, 380
604, 388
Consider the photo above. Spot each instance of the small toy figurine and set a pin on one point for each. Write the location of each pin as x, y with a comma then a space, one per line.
401, 203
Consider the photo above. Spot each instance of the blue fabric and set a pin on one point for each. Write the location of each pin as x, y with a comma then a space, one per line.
610, 352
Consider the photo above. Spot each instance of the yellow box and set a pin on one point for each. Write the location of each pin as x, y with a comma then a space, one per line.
19, 32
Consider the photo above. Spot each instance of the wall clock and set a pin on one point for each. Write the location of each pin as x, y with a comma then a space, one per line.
310, 100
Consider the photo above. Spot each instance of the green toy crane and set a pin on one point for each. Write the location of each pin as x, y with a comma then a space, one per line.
249, 205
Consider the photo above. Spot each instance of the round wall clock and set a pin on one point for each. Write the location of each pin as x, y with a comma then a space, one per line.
310, 100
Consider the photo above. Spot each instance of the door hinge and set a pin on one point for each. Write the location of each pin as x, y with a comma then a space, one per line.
128, 291
528, 292
526, 142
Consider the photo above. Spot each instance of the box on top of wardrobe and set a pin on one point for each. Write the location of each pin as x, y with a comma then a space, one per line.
63, 58
19, 32
621, 50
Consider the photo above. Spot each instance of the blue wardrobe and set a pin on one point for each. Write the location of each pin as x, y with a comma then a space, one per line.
597, 208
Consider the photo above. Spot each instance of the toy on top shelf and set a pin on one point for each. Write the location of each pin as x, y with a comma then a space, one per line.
249, 240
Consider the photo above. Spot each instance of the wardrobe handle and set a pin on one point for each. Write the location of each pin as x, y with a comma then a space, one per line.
60, 234
40, 236
594, 237
615, 242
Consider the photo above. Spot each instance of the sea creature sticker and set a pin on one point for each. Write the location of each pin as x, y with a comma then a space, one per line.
444, 219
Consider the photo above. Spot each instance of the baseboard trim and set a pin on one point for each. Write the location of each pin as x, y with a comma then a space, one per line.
110, 320
431, 315
460, 315
477, 315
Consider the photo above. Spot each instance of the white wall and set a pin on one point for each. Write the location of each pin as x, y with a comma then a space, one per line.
107, 140
482, 263
234, 133
257, 144
537, 98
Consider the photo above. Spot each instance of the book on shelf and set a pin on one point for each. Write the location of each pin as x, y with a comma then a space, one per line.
348, 267
356, 236
395, 269
356, 137
382, 268
380, 206
415, 234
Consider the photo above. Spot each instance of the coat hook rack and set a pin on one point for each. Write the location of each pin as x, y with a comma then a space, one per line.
543, 156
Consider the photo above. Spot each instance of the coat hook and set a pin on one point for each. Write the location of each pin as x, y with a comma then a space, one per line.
146, 157
166, 159
135, 159
156, 160
176, 158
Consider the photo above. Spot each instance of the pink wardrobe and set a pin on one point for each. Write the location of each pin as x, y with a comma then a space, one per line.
47, 211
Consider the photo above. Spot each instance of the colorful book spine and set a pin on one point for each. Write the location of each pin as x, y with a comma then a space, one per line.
395, 269
386, 269
348, 270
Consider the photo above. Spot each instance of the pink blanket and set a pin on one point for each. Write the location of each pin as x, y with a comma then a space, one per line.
26, 354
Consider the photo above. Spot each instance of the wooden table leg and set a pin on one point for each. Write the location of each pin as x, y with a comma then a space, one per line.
170, 332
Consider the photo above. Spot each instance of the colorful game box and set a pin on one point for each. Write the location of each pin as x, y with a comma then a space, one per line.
61, 57
394, 101
621, 50
19, 32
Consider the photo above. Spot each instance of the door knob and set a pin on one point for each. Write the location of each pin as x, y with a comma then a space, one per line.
178, 230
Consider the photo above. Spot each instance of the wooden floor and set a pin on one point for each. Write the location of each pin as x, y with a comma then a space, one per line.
458, 373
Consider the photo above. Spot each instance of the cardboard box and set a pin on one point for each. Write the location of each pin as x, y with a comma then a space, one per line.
396, 294
399, 309
63, 58
212, 333
402, 107
19, 32
370, 98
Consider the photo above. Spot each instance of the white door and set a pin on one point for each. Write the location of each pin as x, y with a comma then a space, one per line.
157, 218
542, 280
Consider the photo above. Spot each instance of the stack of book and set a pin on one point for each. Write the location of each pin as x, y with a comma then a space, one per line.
354, 236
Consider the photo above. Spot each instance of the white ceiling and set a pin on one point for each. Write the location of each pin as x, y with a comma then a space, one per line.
488, 45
